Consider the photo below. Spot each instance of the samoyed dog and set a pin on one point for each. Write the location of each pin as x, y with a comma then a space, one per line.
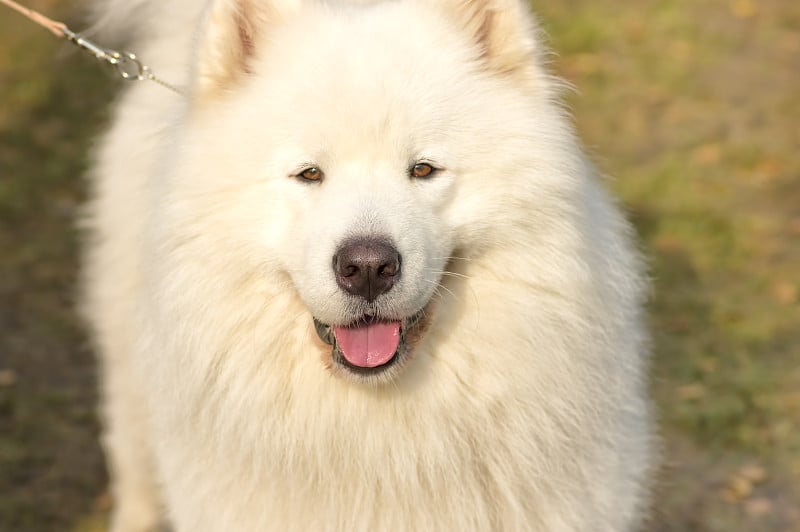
360, 277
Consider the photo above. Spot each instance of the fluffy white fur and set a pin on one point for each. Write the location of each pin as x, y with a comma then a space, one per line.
524, 406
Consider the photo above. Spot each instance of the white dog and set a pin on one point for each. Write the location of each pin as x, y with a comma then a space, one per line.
360, 277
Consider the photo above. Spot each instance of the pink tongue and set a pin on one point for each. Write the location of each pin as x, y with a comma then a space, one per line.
368, 345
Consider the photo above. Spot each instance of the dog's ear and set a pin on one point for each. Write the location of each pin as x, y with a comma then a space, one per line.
233, 30
505, 31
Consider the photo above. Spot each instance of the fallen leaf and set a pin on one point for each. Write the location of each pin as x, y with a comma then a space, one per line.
668, 243
707, 154
790, 42
758, 507
586, 63
794, 226
744, 8
8, 377
754, 473
691, 392
766, 171
737, 489
784, 292
681, 50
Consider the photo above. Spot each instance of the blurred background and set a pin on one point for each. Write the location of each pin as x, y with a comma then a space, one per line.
693, 108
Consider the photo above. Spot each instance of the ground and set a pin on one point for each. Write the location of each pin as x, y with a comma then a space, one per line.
691, 107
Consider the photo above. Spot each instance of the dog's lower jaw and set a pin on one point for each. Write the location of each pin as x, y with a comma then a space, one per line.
411, 330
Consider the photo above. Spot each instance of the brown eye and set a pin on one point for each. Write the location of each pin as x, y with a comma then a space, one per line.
422, 170
311, 174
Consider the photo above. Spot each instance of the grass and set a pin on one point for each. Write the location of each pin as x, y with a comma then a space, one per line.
691, 106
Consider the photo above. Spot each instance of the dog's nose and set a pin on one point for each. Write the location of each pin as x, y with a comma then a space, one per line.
366, 267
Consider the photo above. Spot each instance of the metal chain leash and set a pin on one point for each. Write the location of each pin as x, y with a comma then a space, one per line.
128, 66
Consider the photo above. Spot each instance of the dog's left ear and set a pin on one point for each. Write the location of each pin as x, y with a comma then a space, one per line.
504, 30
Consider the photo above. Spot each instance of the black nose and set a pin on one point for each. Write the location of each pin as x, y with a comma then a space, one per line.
366, 267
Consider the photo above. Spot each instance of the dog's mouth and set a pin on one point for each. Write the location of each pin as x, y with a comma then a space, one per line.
371, 346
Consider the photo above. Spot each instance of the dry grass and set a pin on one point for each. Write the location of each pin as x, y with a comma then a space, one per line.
693, 107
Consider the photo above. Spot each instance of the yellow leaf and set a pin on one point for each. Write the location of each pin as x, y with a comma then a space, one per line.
707, 154
753, 473
737, 489
784, 292
758, 507
691, 392
744, 8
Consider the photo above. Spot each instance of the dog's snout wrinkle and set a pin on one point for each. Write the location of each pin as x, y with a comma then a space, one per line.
366, 267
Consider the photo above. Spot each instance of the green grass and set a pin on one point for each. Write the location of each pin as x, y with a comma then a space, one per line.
692, 108
50, 464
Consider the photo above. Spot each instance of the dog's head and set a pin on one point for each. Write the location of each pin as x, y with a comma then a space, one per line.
365, 148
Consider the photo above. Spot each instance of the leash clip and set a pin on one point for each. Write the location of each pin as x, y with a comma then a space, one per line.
127, 65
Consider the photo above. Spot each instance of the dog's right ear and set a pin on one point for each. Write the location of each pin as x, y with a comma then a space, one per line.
234, 29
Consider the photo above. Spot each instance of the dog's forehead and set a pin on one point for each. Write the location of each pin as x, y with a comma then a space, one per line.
368, 46
378, 73
384, 61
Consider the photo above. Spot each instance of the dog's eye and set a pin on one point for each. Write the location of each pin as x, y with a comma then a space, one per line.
422, 170
311, 173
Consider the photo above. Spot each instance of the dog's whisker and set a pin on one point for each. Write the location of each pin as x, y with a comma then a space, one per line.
446, 273
438, 286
